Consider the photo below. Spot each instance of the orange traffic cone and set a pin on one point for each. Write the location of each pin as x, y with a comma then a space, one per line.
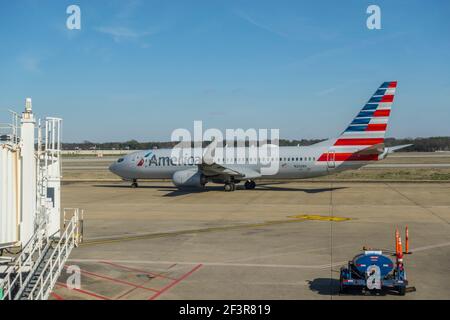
397, 235
407, 241
400, 249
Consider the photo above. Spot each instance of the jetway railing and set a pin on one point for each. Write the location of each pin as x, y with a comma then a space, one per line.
16, 274
36, 270
51, 270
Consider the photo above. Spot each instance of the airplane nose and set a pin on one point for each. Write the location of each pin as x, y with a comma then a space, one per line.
113, 168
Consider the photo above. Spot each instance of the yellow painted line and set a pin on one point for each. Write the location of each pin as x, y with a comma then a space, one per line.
319, 218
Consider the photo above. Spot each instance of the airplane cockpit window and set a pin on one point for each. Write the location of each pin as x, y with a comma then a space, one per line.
120, 160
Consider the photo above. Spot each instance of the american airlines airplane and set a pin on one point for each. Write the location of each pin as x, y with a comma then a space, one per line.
361, 143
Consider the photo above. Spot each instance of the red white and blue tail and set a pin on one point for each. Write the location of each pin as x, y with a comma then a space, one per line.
369, 126
365, 135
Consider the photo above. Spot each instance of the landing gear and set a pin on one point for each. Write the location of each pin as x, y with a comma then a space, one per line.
249, 184
134, 184
229, 186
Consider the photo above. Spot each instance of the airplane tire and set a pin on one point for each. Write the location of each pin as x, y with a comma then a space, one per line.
228, 187
134, 185
250, 185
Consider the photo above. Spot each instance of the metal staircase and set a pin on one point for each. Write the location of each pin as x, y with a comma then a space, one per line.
36, 270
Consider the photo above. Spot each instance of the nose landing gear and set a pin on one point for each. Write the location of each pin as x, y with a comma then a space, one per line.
134, 184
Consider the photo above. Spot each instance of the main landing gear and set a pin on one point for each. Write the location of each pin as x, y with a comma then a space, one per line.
230, 186
250, 184
134, 184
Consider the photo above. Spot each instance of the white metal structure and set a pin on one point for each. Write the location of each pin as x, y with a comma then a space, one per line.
30, 208
28, 185
49, 168
10, 165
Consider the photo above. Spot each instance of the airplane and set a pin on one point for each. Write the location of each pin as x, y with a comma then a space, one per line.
361, 143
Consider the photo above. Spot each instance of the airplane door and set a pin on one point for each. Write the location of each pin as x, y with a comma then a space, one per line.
331, 159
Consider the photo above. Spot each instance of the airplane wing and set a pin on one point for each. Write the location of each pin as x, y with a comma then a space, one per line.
211, 168
238, 171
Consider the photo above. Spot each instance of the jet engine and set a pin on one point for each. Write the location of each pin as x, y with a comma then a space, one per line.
189, 178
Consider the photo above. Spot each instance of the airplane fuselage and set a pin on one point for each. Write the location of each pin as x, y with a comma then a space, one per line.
293, 163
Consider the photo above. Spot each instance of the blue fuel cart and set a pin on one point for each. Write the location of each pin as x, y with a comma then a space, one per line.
373, 271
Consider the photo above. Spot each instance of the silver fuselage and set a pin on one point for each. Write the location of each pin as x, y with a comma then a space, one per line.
293, 163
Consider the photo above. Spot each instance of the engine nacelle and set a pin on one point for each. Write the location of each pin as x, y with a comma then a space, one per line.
189, 178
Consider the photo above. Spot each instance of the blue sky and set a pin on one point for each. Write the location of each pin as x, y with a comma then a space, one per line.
139, 69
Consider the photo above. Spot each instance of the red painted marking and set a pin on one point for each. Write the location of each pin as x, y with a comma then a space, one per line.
382, 113
376, 127
137, 270
358, 142
140, 163
175, 282
387, 98
124, 294
92, 294
57, 296
393, 84
116, 280
350, 157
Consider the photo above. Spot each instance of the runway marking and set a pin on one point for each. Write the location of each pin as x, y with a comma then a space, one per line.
101, 276
137, 270
217, 264
89, 293
440, 245
319, 218
286, 253
125, 294
175, 282
251, 265
56, 296
143, 236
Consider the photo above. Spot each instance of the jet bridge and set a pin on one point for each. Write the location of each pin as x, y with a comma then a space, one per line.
36, 238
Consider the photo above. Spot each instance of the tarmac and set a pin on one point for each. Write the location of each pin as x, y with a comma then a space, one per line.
284, 240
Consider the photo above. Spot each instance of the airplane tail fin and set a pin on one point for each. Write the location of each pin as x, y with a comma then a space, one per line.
369, 126
363, 140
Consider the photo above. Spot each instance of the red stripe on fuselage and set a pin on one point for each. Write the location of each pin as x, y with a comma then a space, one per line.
348, 157
381, 113
376, 127
358, 142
